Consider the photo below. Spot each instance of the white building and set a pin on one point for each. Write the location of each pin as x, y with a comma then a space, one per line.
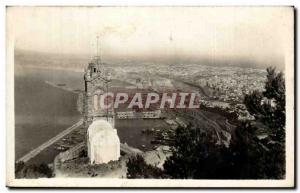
103, 142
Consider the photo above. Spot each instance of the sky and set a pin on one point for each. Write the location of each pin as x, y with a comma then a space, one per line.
259, 34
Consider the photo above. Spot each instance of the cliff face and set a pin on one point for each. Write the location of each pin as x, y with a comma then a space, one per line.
158, 156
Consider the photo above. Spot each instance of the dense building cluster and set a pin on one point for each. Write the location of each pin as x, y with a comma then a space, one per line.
222, 87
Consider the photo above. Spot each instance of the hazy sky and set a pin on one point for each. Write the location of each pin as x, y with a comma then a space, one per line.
256, 33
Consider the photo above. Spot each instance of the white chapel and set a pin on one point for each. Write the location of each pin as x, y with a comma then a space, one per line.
103, 142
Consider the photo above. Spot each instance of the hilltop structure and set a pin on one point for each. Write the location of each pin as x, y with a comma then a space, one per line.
96, 83
102, 139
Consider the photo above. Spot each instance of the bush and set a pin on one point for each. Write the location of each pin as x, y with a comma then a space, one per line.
23, 170
138, 168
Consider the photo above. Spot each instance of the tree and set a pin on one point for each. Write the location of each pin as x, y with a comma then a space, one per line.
19, 166
268, 107
23, 170
195, 156
44, 169
247, 153
138, 168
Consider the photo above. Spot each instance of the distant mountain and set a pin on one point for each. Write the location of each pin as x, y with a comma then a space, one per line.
50, 60
79, 61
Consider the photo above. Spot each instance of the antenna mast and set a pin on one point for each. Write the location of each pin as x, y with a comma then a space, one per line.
98, 51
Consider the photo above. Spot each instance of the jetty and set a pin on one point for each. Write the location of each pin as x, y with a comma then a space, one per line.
48, 143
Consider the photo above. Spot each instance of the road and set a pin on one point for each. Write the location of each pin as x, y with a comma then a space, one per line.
40, 148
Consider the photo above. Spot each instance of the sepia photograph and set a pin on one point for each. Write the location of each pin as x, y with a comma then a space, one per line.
141, 96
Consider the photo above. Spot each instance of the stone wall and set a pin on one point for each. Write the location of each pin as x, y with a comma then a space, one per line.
70, 154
